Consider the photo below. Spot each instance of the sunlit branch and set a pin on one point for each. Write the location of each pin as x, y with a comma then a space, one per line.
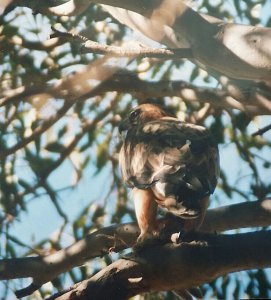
131, 50
248, 92
186, 91
47, 45
15, 95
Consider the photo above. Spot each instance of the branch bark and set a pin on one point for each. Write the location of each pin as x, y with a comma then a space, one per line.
245, 95
176, 266
119, 237
237, 51
89, 85
133, 49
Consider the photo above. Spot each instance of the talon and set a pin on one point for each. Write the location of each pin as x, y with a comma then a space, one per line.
147, 239
144, 237
175, 238
179, 237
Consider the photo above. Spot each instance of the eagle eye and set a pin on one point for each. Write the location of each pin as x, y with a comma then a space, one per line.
134, 115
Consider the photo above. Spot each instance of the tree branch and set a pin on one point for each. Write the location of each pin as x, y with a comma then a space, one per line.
131, 50
186, 265
38, 131
119, 237
188, 92
262, 130
170, 22
241, 215
127, 82
249, 94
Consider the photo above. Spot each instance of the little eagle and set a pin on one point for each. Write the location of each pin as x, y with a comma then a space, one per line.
169, 163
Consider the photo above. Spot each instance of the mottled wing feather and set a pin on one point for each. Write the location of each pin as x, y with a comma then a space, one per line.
168, 150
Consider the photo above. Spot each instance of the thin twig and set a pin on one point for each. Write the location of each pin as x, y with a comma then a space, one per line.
90, 125
68, 35
38, 131
262, 130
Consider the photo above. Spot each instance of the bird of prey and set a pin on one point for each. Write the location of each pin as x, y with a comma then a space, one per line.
168, 163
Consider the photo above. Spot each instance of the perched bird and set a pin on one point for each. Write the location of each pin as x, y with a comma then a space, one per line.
168, 163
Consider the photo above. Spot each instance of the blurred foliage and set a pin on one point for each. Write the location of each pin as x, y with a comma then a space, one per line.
40, 139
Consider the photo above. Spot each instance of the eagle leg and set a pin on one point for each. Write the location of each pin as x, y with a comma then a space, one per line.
145, 209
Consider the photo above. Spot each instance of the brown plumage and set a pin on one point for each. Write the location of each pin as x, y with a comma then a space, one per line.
169, 163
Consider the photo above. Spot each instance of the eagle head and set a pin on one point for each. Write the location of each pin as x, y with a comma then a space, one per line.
142, 114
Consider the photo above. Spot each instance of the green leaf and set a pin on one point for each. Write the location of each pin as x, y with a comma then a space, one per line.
217, 130
9, 30
242, 121
24, 184
62, 131
55, 147
194, 74
101, 157
85, 162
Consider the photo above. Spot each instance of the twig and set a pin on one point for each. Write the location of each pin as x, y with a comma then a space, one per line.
27, 291
69, 148
68, 35
53, 197
38, 131
139, 50
262, 130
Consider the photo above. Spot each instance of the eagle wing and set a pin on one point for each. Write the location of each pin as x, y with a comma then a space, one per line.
174, 159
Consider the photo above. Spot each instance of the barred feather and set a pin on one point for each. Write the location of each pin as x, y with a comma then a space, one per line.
177, 161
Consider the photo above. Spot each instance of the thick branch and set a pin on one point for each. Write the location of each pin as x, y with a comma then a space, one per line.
184, 90
176, 267
241, 215
119, 237
129, 83
245, 95
238, 51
